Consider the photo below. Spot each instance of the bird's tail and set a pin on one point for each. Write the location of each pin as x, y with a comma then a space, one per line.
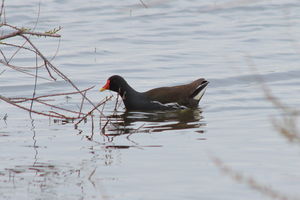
199, 91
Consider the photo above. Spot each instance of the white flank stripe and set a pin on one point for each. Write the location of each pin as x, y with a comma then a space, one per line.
200, 94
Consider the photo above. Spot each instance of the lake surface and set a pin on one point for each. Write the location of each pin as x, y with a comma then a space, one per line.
154, 155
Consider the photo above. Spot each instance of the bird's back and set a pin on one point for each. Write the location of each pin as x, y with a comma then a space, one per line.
181, 94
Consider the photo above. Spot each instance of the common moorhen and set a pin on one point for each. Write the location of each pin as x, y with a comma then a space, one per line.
163, 98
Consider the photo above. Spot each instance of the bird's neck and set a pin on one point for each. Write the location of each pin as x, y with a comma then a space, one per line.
127, 91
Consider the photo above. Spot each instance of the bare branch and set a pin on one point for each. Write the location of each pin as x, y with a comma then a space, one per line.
21, 70
2, 8
52, 71
96, 107
145, 5
35, 83
59, 108
23, 99
17, 46
20, 31
12, 34
33, 111
59, 73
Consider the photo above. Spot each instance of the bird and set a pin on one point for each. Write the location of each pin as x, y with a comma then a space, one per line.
162, 98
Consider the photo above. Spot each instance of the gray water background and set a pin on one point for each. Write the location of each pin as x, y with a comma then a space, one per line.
170, 156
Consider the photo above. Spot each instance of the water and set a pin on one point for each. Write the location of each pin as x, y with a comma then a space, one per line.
155, 155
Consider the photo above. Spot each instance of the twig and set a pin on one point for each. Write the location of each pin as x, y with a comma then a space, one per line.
92, 118
13, 34
20, 47
36, 112
17, 46
58, 72
2, 8
3, 55
62, 116
96, 107
21, 70
37, 18
93, 172
65, 93
57, 49
35, 83
20, 31
23, 99
81, 105
29, 49
16, 52
103, 128
90, 177
116, 104
49, 73
26, 35
59, 108
145, 5
136, 131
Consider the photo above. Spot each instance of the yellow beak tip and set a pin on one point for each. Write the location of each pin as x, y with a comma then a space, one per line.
102, 89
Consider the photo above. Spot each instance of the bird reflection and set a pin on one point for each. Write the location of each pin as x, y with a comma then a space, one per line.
134, 122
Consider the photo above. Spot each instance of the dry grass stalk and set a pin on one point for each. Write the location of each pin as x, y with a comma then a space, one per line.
287, 125
251, 182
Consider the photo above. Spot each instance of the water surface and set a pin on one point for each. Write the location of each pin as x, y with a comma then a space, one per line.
154, 155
